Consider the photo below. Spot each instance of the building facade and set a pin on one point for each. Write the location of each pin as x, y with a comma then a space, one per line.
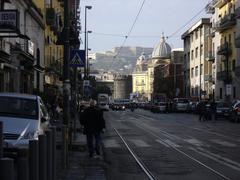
122, 86
23, 55
198, 61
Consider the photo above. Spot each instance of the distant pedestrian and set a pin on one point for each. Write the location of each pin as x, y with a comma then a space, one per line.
201, 111
213, 110
93, 122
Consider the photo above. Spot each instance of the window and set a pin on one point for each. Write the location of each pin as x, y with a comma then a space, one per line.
220, 91
192, 72
234, 92
192, 52
201, 69
196, 71
229, 38
196, 52
233, 64
201, 29
201, 50
196, 34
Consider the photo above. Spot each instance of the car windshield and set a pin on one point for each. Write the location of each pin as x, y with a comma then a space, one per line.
222, 105
18, 107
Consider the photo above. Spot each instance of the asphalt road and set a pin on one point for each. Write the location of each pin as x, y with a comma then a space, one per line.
170, 146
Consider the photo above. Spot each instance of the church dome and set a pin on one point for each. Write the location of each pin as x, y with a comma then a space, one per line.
162, 50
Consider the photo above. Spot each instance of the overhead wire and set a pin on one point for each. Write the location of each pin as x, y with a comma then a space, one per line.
129, 32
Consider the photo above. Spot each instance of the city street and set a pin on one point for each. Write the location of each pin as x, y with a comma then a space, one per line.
170, 146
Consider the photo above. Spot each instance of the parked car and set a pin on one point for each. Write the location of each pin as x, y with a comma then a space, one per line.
159, 107
222, 110
181, 104
24, 117
235, 111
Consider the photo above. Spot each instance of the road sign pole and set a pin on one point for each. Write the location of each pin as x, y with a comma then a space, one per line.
66, 82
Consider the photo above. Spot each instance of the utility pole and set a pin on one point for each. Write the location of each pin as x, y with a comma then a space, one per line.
66, 86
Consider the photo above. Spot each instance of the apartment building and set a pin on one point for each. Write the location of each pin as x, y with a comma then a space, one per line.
198, 60
227, 63
22, 52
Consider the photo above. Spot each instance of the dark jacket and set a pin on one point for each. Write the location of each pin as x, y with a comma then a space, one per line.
201, 108
92, 120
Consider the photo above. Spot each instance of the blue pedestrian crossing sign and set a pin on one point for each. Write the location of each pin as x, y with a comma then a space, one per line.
77, 58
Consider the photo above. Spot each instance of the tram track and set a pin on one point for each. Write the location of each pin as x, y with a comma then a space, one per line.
196, 128
147, 172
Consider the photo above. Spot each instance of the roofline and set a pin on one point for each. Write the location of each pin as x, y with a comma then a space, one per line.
201, 22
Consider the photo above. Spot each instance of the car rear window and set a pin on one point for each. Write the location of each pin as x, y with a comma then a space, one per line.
183, 101
18, 107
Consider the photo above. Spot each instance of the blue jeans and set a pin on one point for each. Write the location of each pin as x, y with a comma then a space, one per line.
90, 143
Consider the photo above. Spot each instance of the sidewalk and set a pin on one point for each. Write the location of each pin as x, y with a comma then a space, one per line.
81, 167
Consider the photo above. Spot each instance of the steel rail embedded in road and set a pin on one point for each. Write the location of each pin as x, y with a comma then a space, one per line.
187, 155
141, 164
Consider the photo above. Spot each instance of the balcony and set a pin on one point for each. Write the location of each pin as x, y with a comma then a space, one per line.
226, 22
210, 9
208, 78
209, 56
224, 76
219, 3
224, 49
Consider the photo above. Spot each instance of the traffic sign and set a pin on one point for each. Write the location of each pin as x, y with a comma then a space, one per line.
77, 58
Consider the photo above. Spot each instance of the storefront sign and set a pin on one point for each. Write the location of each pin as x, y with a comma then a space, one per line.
9, 21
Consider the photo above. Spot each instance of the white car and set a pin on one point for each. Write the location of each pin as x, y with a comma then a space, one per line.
181, 104
24, 117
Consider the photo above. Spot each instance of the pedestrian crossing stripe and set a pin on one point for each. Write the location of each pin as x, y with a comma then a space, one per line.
76, 60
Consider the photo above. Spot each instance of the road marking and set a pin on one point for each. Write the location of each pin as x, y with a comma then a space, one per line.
223, 143
171, 143
139, 143
111, 143
194, 142
163, 143
221, 160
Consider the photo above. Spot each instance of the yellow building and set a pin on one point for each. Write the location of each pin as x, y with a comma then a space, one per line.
53, 55
140, 79
225, 25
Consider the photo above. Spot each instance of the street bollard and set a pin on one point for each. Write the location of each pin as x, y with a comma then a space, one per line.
33, 160
54, 151
7, 169
42, 141
64, 147
1, 139
49, 154
22, 168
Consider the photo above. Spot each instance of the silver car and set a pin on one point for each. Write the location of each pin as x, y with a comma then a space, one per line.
24, 117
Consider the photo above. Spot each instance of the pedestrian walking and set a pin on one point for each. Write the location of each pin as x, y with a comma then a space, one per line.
213, 110
93, 123
202, 111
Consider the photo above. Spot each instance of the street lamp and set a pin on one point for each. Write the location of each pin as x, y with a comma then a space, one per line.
85, 41
87, 49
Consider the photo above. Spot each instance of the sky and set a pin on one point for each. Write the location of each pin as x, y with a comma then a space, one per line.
111, 20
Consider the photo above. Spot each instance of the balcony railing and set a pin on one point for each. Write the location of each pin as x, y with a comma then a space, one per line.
210, 55
226, 22
208, 78
224, 49
224, 76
